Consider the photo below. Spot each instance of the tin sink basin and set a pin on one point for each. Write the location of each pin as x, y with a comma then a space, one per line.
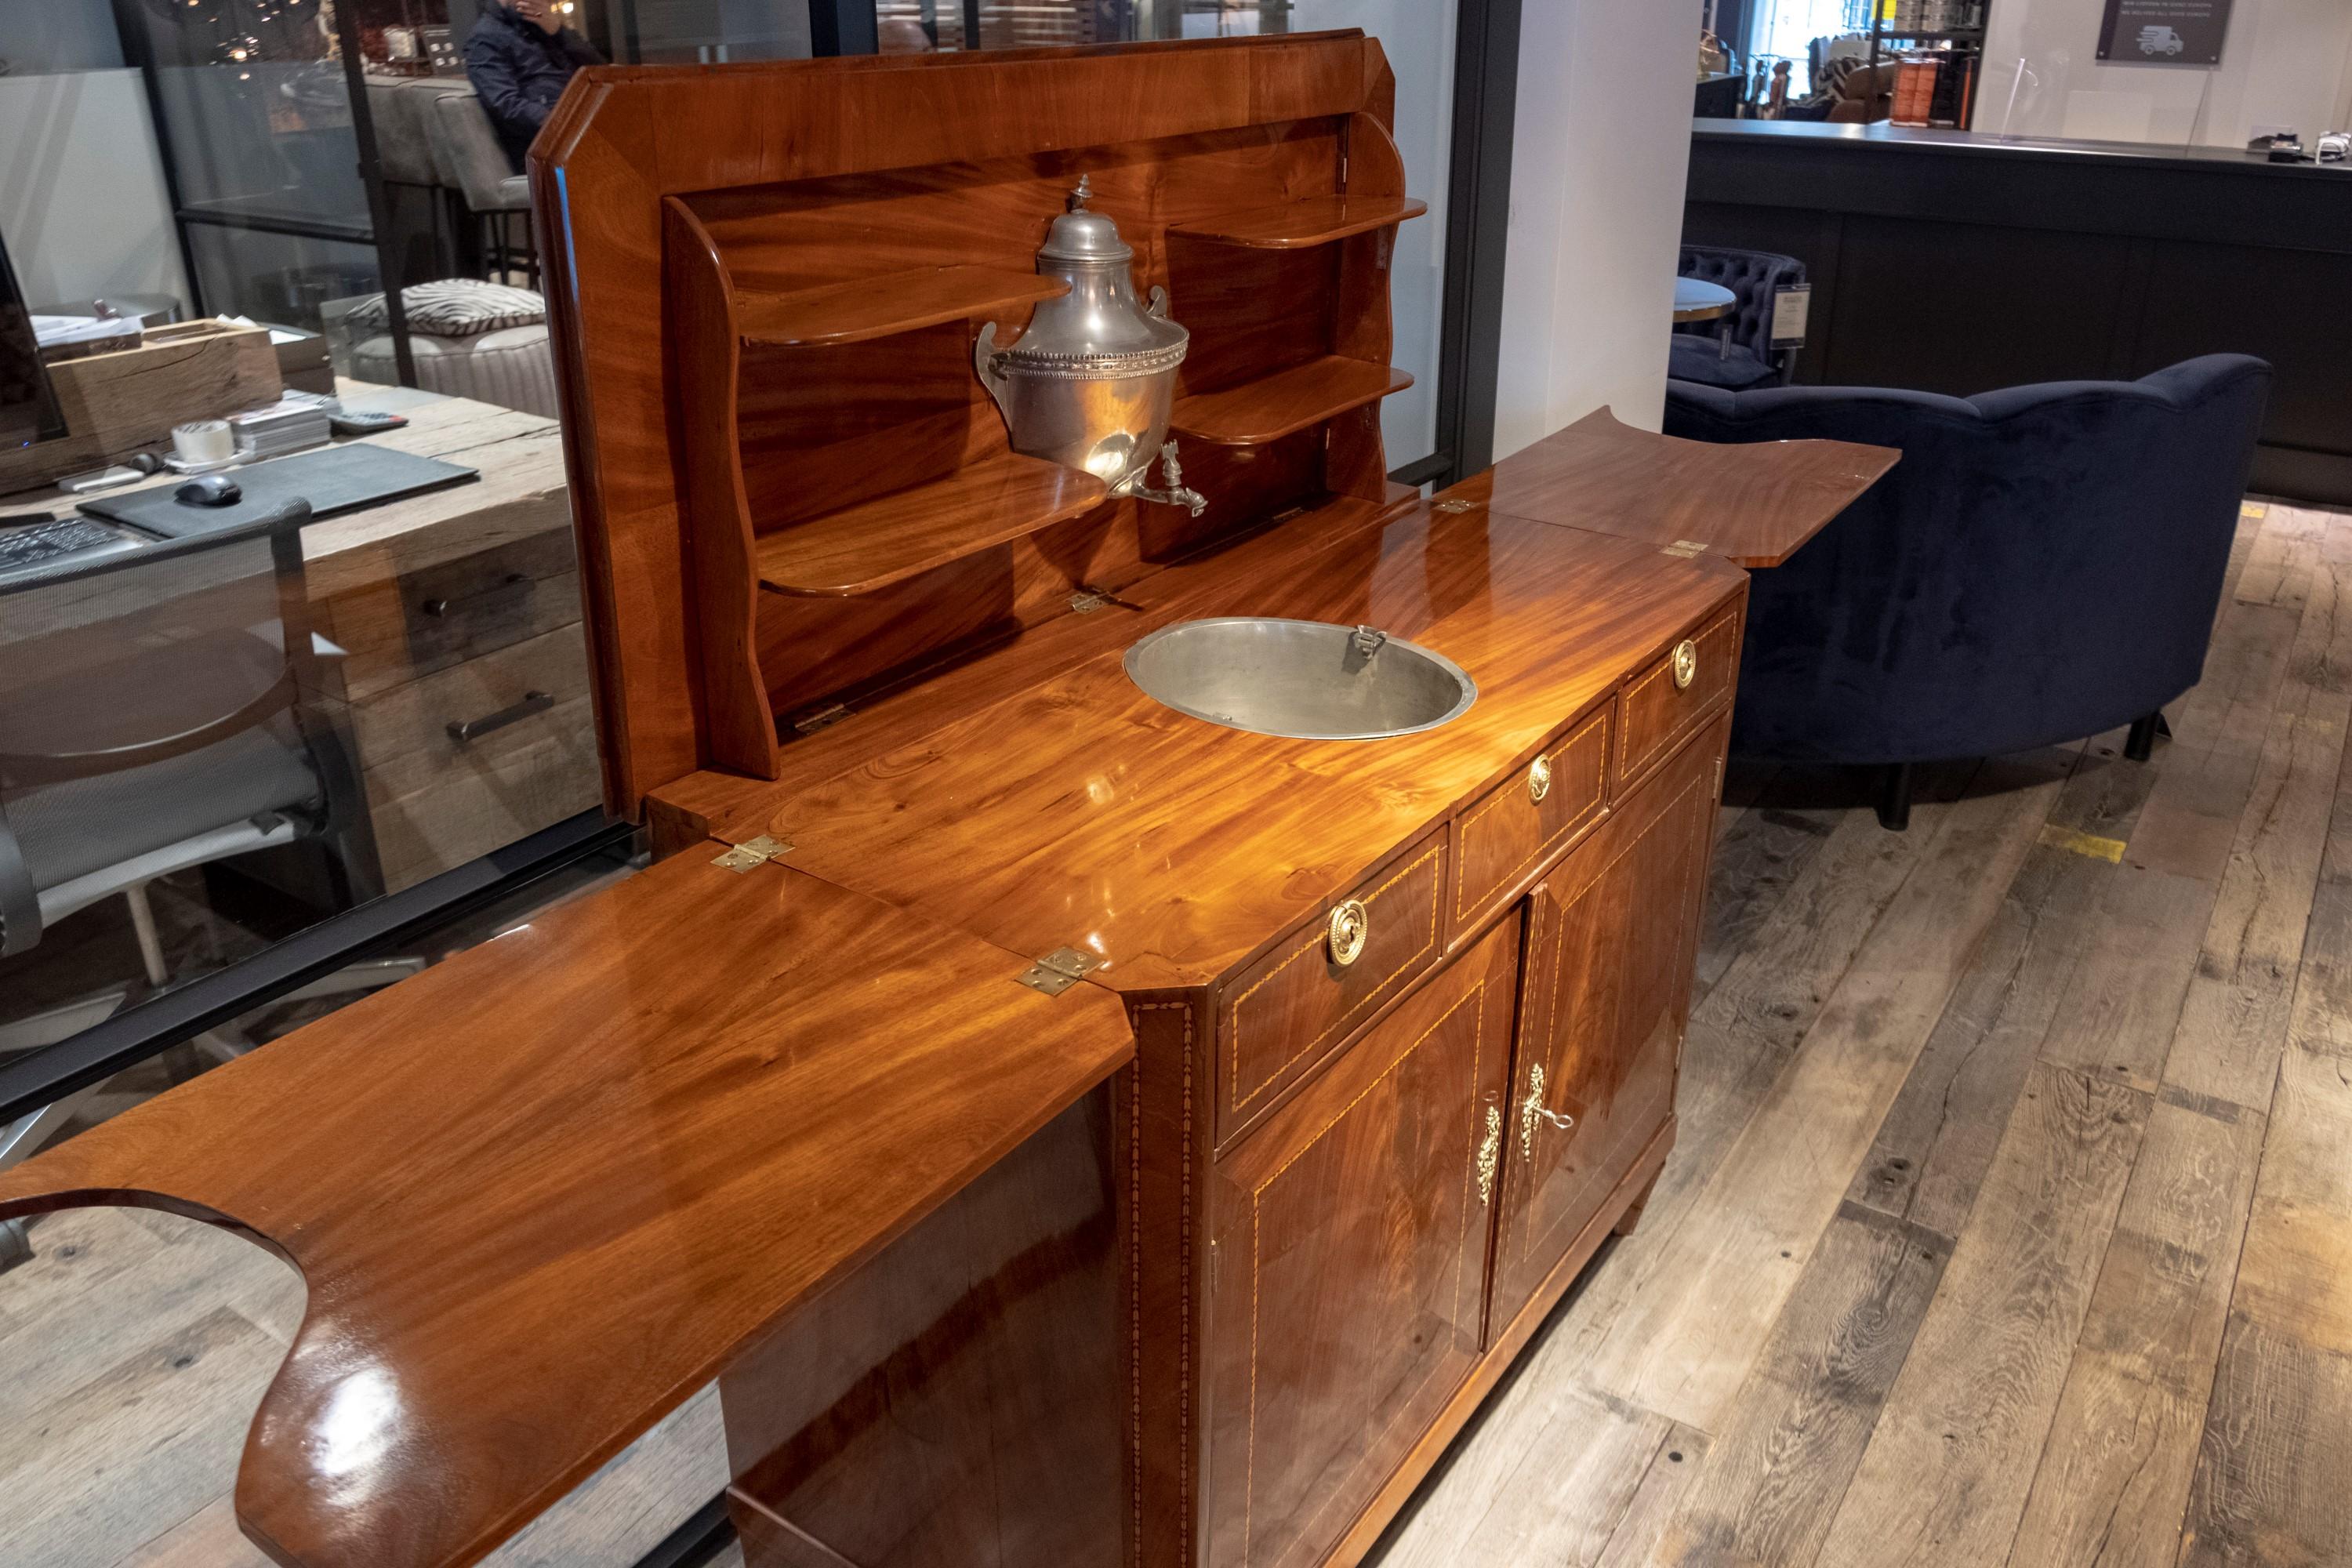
1308, 681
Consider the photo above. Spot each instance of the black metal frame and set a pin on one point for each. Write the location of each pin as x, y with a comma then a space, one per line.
130, 25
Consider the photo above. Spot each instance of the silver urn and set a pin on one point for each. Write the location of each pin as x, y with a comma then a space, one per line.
1090, 384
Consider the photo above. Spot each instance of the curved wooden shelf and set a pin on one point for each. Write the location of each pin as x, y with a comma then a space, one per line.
1285, 403
1294, 225
880, 306
871, 545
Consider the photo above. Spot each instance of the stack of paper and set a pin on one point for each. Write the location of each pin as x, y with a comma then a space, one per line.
298, 419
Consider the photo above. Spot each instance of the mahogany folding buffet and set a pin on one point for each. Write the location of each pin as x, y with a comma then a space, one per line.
1071, 1130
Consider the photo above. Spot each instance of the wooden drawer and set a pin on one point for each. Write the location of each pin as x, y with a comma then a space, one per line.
436, 800
1659, 709
1286, 1011
1515, 827
397, 628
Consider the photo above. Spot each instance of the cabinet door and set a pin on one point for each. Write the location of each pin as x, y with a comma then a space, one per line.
1611, 940
1347, 1283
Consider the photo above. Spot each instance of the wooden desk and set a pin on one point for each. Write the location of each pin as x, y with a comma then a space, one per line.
1752, 505
452, 607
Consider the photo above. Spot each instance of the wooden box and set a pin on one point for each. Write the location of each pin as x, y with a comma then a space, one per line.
128, 401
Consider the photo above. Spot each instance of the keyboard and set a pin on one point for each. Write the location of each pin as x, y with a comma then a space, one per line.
38, 542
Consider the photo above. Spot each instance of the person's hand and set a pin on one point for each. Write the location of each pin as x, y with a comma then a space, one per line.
540, 14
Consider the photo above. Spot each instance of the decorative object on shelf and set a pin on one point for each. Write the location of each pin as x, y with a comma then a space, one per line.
1090, 384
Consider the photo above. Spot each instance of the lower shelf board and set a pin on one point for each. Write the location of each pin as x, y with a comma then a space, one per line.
1285, 403
874, 544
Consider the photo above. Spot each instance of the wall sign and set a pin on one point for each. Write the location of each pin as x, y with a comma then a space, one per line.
2164, 32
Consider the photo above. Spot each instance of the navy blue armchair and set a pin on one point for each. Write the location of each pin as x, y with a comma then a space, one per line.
1736, 351
2043, 564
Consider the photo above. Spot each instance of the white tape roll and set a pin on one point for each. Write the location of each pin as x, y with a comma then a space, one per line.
206, 441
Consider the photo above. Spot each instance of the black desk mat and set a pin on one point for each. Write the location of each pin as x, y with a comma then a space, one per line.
333, 480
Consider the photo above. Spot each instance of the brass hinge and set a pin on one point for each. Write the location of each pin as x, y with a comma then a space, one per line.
1452, 507
1058, 971
1087, 600
753, 852
817, 719
1684, 549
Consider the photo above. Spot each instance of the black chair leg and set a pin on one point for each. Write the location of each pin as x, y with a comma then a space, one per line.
2140, 744
1895, 799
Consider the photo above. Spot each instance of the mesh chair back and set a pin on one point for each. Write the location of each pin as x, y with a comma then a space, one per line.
148, 698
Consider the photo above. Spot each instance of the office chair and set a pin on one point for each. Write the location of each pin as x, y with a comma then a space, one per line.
159, 711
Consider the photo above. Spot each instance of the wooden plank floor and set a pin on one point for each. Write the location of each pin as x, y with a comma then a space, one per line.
2010, 1221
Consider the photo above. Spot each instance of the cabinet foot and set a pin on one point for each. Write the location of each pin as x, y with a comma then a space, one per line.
1633, 1215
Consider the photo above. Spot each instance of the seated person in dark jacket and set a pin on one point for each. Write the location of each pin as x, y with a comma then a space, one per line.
519, 57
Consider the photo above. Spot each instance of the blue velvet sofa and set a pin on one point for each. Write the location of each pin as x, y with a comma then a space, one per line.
2043, 564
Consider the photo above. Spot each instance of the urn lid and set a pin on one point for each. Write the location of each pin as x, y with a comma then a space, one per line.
1100, 330
1082, 236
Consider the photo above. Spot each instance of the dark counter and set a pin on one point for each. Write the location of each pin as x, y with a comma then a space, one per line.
1959, 262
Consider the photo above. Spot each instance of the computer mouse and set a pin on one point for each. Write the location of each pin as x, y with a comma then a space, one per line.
210, 489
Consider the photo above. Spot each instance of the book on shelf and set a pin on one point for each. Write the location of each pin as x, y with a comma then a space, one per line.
1935, 90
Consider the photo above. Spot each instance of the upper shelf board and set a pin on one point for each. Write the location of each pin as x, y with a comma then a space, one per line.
1293, 225
1286, 401
890, 303
863, 548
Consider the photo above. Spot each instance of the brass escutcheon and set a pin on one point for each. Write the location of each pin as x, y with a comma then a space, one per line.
1686, 664
1490, 1154
1532, 1112
1539, 779
1351, 924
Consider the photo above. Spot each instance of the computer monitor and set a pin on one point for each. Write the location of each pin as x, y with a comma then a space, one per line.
28, 406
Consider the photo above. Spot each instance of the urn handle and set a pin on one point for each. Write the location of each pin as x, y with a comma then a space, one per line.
983, 362
1157, 304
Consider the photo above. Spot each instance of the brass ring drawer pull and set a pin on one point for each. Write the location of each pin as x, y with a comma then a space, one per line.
1490, 1155
1531, 1111
1686, 664
1351, 926
1539, 779
465, 730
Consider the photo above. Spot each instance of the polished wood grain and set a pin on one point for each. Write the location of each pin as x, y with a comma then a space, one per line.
1357, 1209
1286, 401
886, 304
977, 150
1658, 710
1313, 220
1600, 1036
736, 732
551, 1222
714, 804
1499, 841
798, 1126
960, 1399
1175, 849
1281, 1015
1754, 505
902, 534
